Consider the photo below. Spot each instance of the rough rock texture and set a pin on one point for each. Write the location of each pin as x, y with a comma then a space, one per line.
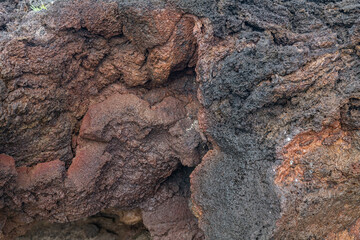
93, 115
127, 148
101, 109
109, 225
279, 91
170, 221
167, 214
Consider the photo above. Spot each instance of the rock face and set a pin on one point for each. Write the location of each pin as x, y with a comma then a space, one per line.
93, 115
109, 105
167, 214
279, 100
109, 225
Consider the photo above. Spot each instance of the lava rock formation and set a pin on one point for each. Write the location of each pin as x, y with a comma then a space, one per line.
210, 119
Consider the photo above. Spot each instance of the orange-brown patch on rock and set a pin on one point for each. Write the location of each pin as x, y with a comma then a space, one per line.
354, 230
293, 168
40, 174
351, 233
196, 210
86, 166
343, 235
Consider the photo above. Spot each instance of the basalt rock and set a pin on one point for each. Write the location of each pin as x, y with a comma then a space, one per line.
279, 100
108, 106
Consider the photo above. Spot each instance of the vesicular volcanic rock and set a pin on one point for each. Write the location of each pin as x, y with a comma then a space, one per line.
91, 118
279, 91
109, 105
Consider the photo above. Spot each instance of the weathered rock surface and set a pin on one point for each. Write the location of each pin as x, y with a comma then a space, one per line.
102, 226
103, 103
89, 120
167, 214
279, 92
170, 221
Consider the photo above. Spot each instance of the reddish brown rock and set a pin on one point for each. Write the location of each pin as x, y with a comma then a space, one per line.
40, 191
86, 167
37, 195
95, 119
175, 54
124, 146
167, 214
297, 168
101, 18
7, 168
8, 175
351, 233
40, 175
130, 63
148, 28
172, 220
85, 128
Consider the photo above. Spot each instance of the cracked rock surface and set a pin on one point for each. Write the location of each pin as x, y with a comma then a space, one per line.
110, 107
93, 115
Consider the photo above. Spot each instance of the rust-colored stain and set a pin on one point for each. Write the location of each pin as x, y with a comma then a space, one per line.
343, 235
196, 210
292, 169
41, 173
354, 230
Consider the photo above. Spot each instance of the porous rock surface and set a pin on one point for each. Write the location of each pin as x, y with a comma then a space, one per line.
111, 105
279, 92
93, 115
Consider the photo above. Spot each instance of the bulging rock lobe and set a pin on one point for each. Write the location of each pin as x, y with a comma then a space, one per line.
92, 111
